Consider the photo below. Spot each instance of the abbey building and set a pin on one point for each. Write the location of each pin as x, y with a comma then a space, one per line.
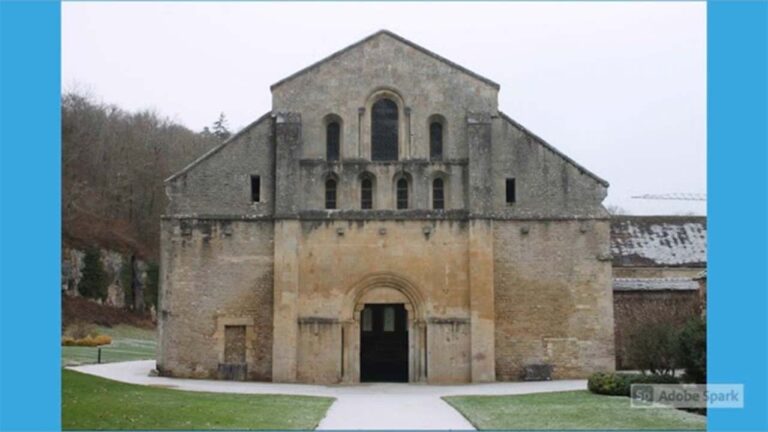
385, 222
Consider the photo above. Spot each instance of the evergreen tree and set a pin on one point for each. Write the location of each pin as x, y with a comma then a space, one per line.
220, 128
93, 283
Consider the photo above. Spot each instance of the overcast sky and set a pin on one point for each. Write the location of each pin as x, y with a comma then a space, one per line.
620, 87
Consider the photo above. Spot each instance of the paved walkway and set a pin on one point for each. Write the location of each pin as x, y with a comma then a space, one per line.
361, 406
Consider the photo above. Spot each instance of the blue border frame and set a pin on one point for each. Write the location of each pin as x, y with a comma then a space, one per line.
737, 131
30, 232
30, 213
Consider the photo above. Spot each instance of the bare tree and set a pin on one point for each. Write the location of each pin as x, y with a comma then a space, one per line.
113, 166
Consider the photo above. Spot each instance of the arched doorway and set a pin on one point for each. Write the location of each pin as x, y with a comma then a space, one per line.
384, 335
384, 343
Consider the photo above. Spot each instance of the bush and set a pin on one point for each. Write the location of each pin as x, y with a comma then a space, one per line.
620, 384
151, 287
607, 383
653, 347
692, 352
88, 341
93, 283
80, 329
81, 333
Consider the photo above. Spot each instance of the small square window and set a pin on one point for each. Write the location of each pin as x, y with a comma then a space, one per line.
255, 188
511, 193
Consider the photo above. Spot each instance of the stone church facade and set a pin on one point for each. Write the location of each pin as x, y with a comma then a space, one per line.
385, 222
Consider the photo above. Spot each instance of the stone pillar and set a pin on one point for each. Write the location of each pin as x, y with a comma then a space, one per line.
287, 155
286, 243
351, 351
480, 164
481, 301
286, 292
481, 283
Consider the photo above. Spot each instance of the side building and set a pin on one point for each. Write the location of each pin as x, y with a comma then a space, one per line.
659, 263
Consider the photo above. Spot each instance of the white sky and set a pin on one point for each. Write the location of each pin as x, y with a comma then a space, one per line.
619, 87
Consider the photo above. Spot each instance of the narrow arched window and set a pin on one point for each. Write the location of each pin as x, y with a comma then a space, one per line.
384, 133
332, 140
402, 194
438, 194
436, 141
330, 194
366, 194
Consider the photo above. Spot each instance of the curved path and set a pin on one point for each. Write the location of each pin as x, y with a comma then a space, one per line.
360, 406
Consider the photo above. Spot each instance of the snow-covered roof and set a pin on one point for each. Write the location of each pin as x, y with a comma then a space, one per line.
654, 284
659, 241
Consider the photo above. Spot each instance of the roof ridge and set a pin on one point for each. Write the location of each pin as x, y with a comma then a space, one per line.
669, 278
398, 38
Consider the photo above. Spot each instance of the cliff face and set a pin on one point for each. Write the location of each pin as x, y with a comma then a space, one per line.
126, 282
113, 166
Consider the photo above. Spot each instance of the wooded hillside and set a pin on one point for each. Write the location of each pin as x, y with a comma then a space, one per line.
113, 166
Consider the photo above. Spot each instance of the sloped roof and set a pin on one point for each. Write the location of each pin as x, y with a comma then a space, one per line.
398, 38
655, 284
659, 241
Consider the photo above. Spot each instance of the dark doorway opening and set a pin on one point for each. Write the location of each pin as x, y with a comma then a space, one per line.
384, 343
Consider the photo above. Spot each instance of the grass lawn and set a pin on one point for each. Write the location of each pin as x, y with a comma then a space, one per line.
90, 402
568, 410
128, 343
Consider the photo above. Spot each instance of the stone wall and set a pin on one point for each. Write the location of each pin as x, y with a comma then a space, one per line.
346, 84
220, 183
553, 297
548, 184
334, 256
214, 273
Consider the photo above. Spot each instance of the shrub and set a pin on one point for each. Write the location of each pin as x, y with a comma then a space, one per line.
607, 383
654, 347
87, 341
692, 350
151, 287
620, 384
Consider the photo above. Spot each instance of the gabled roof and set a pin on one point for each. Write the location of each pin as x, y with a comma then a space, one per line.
659, 241
551, 148
399, 39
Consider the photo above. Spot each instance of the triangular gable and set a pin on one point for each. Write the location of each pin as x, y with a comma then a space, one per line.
218, 148
397, 38
551, 148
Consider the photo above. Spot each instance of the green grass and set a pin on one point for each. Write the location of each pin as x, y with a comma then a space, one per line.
568, 410
128, 343
89, 402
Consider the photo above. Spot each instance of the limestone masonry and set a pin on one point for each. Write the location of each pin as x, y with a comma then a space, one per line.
385, 222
